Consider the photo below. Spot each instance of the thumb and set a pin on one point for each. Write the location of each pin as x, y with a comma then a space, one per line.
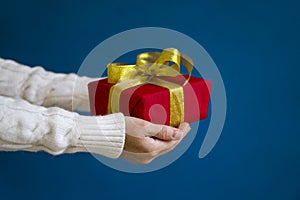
140, 128
170, 133
164, 132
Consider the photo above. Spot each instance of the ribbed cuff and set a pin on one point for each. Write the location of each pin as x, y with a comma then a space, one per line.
103, 135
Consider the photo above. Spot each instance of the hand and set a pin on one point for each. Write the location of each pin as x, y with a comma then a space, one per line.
146, 141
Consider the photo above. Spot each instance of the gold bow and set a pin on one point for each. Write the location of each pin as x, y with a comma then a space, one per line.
147, 70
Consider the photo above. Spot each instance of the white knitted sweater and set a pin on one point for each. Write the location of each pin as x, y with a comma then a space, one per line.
35, 114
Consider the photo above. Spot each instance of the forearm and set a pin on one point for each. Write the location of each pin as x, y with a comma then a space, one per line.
40, 87
28, 127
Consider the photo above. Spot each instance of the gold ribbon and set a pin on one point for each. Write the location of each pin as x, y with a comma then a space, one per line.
147, 70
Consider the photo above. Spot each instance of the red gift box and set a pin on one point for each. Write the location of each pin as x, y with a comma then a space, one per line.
151, 102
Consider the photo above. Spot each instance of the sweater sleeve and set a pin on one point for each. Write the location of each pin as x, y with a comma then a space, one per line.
28, 127
40, 87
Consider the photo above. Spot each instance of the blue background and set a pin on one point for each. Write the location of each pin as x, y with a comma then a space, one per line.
254, 43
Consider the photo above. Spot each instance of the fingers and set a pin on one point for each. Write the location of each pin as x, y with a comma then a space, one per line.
166, 146
146, 141
185, 128
172, 144
141, 128
167, 133
170, 133
144, 151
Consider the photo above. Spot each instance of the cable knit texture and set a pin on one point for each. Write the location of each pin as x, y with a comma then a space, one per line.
25, 126
41, 87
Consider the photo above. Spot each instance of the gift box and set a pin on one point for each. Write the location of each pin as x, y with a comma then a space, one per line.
152, 100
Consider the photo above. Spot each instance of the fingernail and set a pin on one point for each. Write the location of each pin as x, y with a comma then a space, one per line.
186, 127
177, 134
